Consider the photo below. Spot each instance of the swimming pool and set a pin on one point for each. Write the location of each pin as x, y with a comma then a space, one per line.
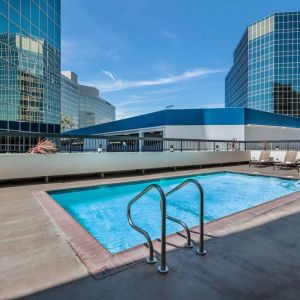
101, 210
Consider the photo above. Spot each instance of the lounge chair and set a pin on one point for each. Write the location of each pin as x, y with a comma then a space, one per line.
290, 160
264, 159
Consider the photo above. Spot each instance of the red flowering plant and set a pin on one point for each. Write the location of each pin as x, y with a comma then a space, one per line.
44, 147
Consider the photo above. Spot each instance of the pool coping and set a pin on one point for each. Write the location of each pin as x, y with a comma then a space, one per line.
101, 263
124, 181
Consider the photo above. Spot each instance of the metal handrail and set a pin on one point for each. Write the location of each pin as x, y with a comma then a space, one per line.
109, 137
162, 268
189, 243
200, 250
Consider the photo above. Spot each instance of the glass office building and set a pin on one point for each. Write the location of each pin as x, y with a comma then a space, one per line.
266, 71
69, 101
92, 108
81, 105
30, 82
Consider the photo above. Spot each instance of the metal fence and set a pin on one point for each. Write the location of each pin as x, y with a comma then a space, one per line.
19, 142
273, 145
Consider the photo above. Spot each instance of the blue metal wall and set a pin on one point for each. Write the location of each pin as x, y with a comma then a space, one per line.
216, 116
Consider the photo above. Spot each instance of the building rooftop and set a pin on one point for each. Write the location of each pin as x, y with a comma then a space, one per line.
205, 116
252, 255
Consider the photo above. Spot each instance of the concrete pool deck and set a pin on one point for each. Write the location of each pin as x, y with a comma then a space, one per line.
257, 257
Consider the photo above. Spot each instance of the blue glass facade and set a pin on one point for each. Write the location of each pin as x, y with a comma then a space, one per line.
236, 91
272, 80
30, 65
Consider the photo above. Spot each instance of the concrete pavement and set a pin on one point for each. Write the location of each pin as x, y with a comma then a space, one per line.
253, 259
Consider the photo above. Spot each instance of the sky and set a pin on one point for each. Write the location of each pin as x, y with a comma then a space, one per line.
146, 55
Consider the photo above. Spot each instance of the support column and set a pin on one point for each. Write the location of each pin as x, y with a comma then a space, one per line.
141, 143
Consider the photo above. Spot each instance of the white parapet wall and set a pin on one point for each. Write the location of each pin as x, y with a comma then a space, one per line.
17, 166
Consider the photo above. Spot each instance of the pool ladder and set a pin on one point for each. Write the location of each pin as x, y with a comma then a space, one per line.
163, 268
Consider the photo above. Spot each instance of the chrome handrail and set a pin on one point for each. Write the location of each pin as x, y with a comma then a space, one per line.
200, 250
189, 243
162, 268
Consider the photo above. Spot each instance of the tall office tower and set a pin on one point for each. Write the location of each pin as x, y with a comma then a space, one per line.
69, 101
266, 71
93, 109
81, 105
30, 85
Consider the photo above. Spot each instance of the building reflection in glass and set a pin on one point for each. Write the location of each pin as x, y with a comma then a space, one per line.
30, 65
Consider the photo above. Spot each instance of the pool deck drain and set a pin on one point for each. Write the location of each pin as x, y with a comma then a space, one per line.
251, 255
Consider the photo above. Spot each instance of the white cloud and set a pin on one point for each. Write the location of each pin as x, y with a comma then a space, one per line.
169, 35
134, 99
109, 74
120, 84
163, 91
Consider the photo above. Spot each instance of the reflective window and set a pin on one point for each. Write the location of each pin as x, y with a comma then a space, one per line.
30, 84
3, 24
34, 14
3, 8
265, 74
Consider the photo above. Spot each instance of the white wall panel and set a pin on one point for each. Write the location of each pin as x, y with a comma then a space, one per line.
31, 165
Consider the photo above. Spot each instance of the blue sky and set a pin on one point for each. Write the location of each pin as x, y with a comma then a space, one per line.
146, 55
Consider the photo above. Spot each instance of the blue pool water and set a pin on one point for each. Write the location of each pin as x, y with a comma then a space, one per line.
101, 210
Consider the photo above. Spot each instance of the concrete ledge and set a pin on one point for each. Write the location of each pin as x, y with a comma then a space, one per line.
21, 166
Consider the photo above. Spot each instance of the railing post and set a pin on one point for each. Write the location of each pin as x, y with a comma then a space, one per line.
181, 145
29, 140
201, 250
162, 268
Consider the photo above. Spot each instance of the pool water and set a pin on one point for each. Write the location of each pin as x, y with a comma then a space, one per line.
101, 210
